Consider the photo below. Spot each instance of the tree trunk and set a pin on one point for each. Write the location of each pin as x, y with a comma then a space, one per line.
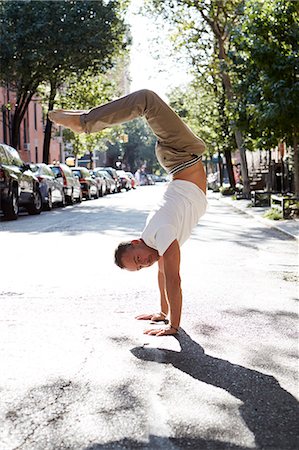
229, 168
244, 167
222, 37
48, 129
15, 129
19, 113
91, 163
220, 166
296, 163
238, 134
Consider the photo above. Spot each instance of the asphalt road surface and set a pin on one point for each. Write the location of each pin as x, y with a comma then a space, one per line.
76, 370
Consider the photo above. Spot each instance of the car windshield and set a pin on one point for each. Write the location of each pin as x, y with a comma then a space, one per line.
107, 174
77, 173
15, 157
56, 170
46, 170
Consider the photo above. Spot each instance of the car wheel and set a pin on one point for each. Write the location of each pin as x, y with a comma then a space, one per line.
63, 201
70, 199
49, 204
11, 206
88, 195
79, 199
37, 203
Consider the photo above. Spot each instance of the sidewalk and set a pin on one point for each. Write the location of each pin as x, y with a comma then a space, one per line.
288, 227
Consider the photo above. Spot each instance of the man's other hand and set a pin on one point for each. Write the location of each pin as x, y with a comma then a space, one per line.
157, 317
160, 331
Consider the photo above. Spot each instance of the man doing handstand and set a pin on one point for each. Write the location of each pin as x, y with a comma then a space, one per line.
179, 152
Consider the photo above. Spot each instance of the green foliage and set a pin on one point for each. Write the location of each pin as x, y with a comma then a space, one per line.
90, 90
202, 105
140, 148
204, 28
47, 41
273, 214
226, 191
257, 44
265, 70
86, 92
84, 143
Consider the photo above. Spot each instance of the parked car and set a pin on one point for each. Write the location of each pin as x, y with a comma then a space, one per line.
110, 182
124, 179
146, 179
112, 172
51, 189
70, 183
99, 178
88, 184
159, 178
132, 179
150, 178
18, 185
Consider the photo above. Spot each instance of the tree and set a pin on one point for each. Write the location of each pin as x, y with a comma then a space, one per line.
87, 92
202, 105
194, 19
49, 40
265, 57
137, 149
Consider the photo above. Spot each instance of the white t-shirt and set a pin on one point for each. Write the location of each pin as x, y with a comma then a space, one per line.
175, 216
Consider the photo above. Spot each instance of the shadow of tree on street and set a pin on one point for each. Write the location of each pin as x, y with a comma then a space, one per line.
82, 219
270, 412
164, 443
101, 217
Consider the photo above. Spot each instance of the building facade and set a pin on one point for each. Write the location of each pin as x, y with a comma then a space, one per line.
31, 137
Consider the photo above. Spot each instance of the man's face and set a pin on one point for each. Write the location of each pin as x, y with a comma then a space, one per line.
139, 256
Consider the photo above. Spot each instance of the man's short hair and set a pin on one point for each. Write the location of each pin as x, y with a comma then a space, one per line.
120, 251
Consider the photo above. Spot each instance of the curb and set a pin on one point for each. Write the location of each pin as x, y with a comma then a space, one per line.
293, 225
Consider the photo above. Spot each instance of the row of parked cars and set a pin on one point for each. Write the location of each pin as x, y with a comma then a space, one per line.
40, 186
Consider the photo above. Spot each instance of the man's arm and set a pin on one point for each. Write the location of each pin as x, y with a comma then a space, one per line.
162, 288
158, 317
170, 269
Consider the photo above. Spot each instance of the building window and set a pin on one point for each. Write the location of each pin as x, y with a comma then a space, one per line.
36, 154
35, 116
4, 126
25, 130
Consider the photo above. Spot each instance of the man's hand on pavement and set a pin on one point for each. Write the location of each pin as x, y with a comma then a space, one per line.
157, 317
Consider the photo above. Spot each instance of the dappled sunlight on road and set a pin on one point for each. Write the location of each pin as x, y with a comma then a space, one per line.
68, 327
125, 212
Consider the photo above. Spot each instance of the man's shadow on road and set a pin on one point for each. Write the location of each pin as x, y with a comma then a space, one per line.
270, 412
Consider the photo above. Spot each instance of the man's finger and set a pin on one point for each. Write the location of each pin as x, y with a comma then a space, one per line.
144, 317
151, 331
161, 333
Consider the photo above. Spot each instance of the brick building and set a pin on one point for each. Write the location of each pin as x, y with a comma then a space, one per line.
31, 136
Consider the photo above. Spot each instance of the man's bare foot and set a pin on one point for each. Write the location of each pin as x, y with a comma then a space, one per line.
69, 119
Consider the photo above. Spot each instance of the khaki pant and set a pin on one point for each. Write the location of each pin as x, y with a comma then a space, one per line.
177, 145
